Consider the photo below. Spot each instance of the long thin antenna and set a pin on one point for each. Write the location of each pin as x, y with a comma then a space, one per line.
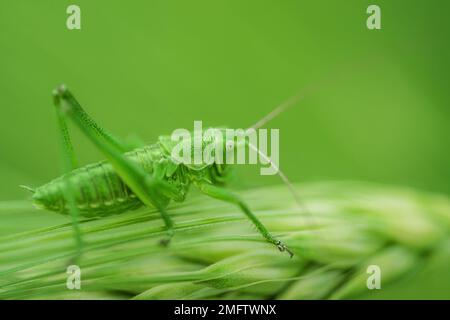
281, 174
282, 107
29, 189
271, 115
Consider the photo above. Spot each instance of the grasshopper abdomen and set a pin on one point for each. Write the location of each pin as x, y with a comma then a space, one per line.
98, 189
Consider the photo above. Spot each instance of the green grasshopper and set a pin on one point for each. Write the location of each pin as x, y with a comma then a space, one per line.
129, 179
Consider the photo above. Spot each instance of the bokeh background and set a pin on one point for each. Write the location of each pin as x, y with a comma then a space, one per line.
147, 67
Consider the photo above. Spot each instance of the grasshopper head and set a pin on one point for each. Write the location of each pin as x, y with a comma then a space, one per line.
198, 150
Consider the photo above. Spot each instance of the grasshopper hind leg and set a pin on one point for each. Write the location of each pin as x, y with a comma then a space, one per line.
69, 163
151, 191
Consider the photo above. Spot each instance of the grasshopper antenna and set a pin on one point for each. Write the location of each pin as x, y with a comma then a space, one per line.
270, 116
281, 174
29, 189
281, 108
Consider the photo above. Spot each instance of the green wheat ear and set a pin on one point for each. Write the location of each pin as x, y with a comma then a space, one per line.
216, 254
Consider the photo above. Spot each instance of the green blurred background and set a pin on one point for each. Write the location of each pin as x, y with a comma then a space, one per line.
148, 67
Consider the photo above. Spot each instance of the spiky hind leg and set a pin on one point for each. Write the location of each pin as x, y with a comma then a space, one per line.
151, 191
69, 163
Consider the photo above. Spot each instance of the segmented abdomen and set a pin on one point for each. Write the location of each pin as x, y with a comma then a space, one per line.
97, 188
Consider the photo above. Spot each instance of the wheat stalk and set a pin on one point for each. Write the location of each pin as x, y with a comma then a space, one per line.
216, 254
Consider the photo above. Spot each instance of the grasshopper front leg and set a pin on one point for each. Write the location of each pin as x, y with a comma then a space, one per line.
151, 191
226, 195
